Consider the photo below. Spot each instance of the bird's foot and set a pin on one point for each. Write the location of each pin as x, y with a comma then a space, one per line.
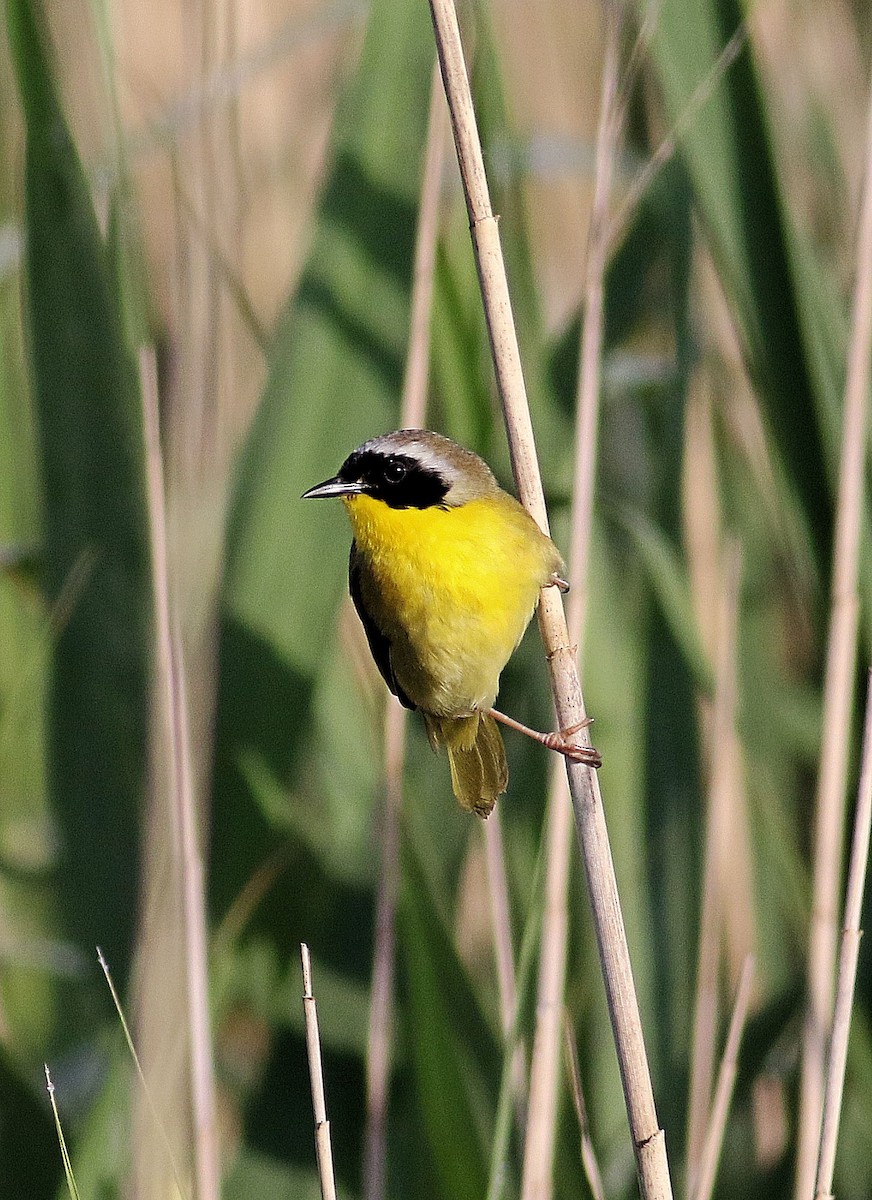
561, 742
555, 580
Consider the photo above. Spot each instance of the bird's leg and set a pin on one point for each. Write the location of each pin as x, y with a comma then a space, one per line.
555, 580
560, 742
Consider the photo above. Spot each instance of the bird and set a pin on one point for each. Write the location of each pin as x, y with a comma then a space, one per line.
445, 572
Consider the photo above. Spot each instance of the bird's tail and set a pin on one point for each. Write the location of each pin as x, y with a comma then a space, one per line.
476, 755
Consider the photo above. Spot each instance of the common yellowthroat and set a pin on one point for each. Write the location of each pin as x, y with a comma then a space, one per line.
445, 571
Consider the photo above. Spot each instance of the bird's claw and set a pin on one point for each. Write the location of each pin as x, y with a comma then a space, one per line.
555, 580
562, 743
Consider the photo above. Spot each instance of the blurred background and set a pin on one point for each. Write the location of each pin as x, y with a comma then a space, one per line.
235, 186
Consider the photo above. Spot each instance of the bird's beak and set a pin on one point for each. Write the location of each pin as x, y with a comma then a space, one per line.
333, 487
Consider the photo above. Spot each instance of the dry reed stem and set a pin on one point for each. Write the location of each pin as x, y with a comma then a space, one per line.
847, 976
413, 408
415, 380
838, 691
702, 526
171, 679
545, 1063
722, 742
648, 1139
589, 1161
724, 1089
323, 1153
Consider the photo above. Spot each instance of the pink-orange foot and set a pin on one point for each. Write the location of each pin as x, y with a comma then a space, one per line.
561, 742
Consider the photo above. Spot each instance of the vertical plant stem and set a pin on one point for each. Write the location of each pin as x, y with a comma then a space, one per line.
323, 1152
414, 403
649, 1141
722, 742
838, 689
847, 964
172, 681
724, 1089
545, 1063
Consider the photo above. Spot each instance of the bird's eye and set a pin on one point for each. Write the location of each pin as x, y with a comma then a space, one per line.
395, 471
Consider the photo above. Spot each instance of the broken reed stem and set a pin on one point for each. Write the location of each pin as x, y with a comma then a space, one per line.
847, 977
649, 1141
545, 1063
717, 1122
171, 681
839, 680
722, 744
323, 1152
413, 409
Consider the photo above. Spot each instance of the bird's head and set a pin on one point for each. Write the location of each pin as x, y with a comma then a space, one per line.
410, 468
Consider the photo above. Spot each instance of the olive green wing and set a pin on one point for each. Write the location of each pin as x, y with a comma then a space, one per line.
379, 642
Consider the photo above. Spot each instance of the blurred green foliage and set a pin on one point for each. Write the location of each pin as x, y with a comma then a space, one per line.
294, 764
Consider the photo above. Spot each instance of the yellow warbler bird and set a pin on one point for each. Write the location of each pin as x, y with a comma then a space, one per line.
445, 572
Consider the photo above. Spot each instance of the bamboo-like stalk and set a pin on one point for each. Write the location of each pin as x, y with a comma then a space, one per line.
717, 1123
413, 408
848, 956
172, 683
649, 1141
545, 1063
722, 741
323, 1152
838, 690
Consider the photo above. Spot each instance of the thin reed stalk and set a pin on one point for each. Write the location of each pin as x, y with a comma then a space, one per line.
839, 681
62, 1141
492, 831
649, 1141
722, 742
668, 146
413, 409
717, 1122
323, 1151
171, 681
848, 956
589, 1161
381, 1004
131, 1046
545, 1062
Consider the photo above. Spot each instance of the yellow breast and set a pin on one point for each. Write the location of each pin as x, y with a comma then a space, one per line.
453, 590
